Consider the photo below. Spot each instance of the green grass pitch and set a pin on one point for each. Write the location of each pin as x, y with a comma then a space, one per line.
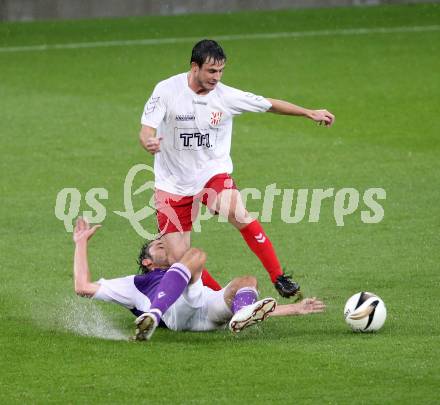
70, 118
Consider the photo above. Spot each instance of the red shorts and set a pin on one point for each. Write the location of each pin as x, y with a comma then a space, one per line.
176, 213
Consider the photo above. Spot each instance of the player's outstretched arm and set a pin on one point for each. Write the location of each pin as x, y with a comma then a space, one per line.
148, 139
306, 306
285, 108
81, 273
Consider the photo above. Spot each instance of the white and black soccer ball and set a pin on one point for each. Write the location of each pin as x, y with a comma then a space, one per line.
365, 312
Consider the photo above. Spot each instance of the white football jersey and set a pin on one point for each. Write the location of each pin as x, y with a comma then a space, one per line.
195, 130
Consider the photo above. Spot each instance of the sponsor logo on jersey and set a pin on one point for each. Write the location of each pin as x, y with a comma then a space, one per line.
200, 102
194, 139
216, 117
185, 117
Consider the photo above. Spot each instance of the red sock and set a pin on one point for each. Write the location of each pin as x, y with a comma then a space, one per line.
209, 281
261, 245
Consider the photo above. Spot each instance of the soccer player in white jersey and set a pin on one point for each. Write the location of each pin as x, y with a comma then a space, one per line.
187, 125
173, 294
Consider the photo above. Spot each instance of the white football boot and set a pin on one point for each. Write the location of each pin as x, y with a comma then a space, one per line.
252, 314
146, 324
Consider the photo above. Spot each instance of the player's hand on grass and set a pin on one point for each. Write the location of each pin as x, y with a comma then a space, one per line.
83, 231
322, 117
310, 306
304, 307
153, 145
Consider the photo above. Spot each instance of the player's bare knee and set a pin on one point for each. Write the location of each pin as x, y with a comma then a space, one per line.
236, 284
248, 281
240, 219
241, 282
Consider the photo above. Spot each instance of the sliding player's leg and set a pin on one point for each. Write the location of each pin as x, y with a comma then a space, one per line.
242, 296
176, 279
237, 304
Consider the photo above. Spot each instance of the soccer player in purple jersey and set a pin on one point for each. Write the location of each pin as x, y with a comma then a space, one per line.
173, 294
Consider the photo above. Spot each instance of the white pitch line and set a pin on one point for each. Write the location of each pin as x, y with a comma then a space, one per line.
271, 35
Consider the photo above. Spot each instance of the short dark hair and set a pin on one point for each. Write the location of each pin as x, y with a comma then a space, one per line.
207, 49
144, 254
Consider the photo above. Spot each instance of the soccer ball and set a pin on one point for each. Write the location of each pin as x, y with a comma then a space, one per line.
365, 312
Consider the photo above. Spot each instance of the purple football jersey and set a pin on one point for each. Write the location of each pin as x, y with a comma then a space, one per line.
147, 284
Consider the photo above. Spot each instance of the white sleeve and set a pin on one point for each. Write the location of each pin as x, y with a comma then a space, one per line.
155, 108
238, 102
119, 290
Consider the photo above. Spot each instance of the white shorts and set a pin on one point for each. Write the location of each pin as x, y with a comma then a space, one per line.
198, 309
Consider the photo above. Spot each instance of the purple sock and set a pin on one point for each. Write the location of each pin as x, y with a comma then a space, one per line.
170, 289
243, 297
